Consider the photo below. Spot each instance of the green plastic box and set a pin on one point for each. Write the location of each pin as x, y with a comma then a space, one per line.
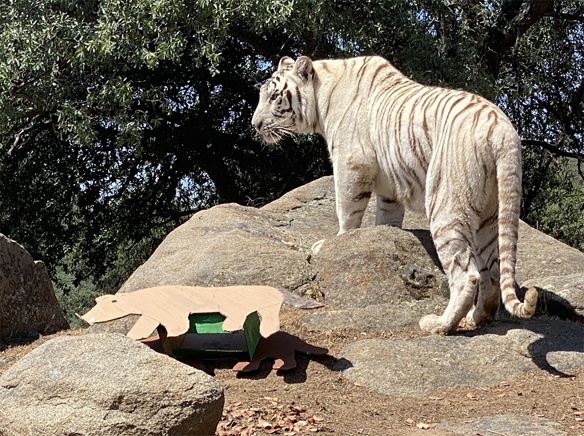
206, 337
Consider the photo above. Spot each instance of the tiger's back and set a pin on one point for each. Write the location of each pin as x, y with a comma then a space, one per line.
406, 125
452, 153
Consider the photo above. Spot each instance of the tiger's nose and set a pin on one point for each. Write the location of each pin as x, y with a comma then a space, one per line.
257, 126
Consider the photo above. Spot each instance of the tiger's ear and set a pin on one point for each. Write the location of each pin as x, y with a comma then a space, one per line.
303, 67
286, 63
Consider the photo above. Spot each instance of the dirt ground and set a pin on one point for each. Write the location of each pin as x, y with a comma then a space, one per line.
315, 399
333, 405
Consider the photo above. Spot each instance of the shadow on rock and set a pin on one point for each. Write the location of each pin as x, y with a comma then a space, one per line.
553, 345
550, 304
425, 239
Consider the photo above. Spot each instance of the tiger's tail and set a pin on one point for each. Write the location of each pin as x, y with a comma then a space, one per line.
508, 164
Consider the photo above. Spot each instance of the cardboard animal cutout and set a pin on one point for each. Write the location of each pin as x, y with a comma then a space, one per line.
170, 307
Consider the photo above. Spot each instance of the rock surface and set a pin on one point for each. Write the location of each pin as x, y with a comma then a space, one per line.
225, 245
508, 425
378, 265
28, 305
566, 289
378, 279
106, 384
232, 244
414, 367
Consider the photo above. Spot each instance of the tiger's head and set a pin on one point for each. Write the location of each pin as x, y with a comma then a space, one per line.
286, 105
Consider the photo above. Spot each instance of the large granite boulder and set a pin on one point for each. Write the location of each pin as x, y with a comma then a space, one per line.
28, 305
232, 244
379, 281
414, 367
106, 384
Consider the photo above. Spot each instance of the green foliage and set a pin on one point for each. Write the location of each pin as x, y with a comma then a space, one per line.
74, 298
562, 218
542, 90
121, 118
554, 196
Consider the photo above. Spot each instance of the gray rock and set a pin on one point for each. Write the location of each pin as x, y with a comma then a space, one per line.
567, 290
362, 267
106, 384
508, 425
540, 255
310, 210
28, 305
414, 367
232, 244
298, 302
225, 245
377, 318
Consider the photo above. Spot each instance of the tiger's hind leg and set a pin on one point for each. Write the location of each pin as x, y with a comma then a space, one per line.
452, 241
389, 212
487, 302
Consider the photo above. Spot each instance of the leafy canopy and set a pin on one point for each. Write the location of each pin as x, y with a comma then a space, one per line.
121, 118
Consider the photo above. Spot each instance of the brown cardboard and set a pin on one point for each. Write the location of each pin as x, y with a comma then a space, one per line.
170, 307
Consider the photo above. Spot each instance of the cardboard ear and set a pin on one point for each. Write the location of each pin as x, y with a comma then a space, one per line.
285, 63
303, 67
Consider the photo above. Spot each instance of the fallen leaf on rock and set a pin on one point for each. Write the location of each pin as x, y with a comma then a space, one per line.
424, 426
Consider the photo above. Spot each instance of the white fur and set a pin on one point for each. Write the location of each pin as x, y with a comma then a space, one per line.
450, 153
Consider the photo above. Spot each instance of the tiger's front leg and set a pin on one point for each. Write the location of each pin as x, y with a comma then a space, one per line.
389, 212
353, 189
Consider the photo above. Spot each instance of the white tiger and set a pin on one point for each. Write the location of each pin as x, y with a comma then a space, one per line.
451, 152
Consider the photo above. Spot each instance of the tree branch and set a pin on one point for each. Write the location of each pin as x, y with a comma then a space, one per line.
572, 17
269, 48
513, 22
18, 143
554, 149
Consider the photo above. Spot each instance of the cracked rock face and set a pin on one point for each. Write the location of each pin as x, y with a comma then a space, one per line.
223, 246
508, 425
236, 245
414, 367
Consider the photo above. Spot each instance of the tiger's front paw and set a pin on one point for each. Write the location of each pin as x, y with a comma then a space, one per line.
433, 324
